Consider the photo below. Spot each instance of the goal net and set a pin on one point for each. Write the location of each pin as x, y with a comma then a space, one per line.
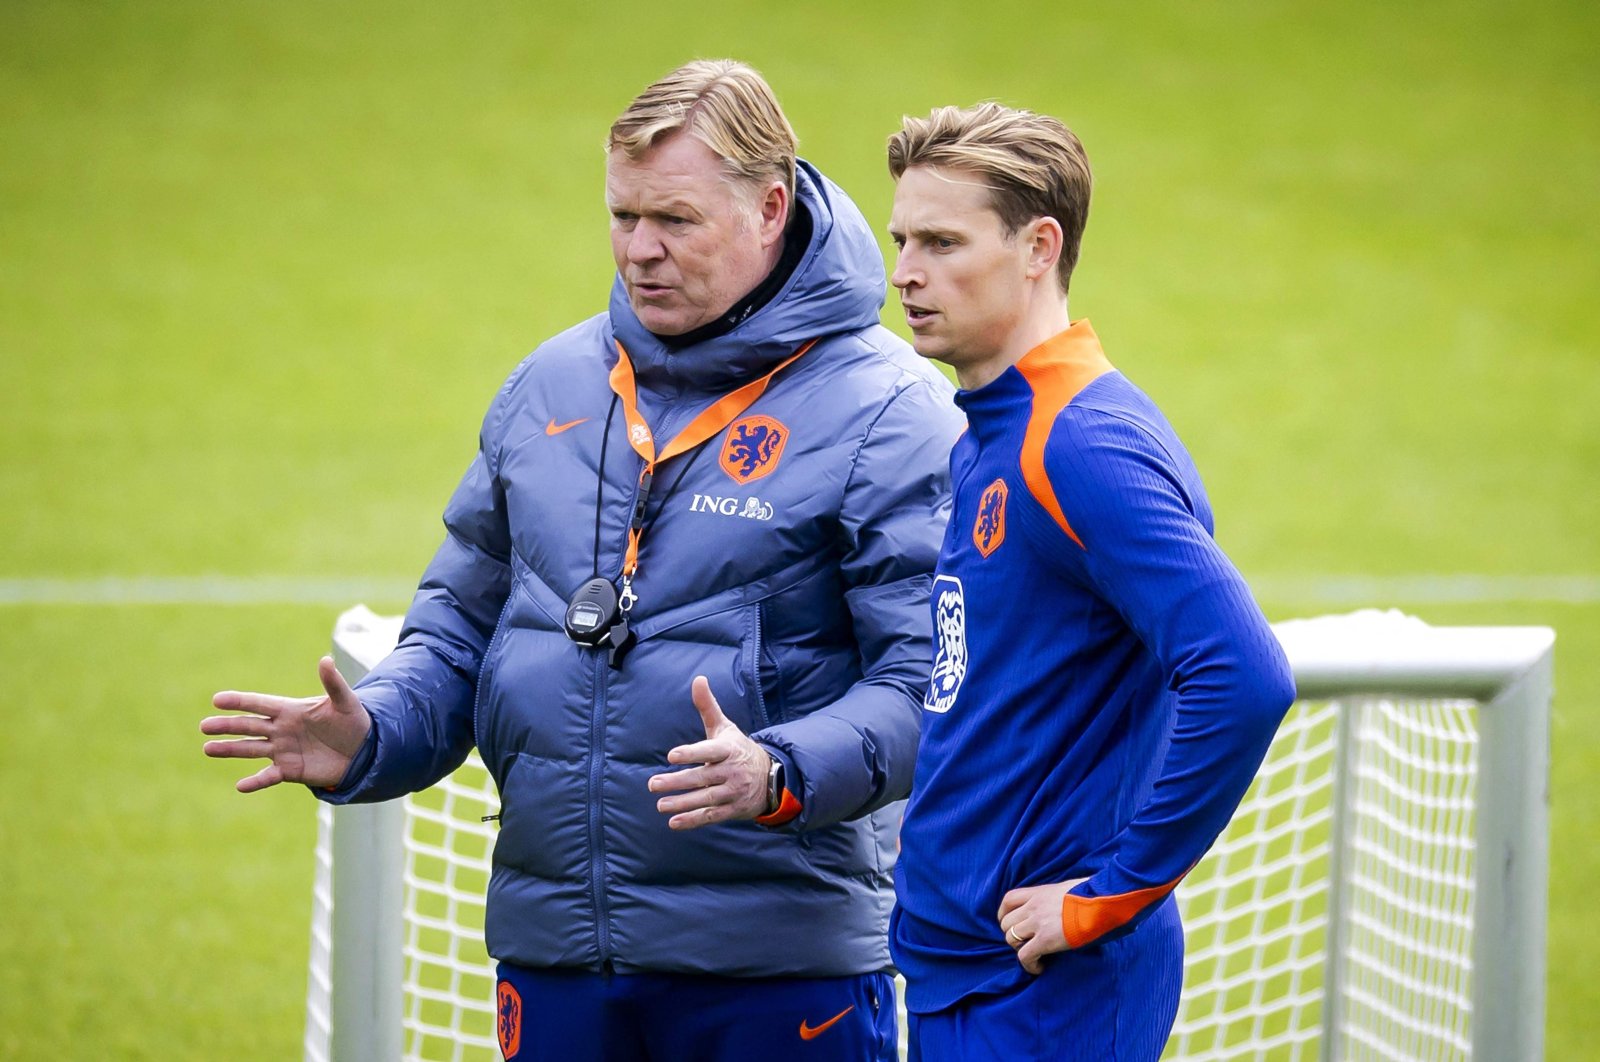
1379, 894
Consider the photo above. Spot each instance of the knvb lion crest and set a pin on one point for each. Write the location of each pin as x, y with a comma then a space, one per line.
989, 530
508, 1022
752, 448
950, 635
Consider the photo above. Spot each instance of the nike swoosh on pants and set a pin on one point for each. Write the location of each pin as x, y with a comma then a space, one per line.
808, 1032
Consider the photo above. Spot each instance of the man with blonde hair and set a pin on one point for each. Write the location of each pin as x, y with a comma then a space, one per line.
680, 609
1103, 685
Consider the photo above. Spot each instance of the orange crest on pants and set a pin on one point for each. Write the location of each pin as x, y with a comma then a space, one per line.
989, 529
752, 447
509, 1021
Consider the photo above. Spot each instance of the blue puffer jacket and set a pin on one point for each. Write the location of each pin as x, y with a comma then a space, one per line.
801, 593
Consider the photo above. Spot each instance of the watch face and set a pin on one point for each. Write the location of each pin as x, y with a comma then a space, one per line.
774, 786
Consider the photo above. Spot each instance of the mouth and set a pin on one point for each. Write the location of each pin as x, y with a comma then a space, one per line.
645, 289
917, 315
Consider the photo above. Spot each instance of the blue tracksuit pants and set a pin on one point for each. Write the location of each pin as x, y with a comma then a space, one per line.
1110, 1002
553, 1015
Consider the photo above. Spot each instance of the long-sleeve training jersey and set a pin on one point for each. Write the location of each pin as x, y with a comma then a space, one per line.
1104, 685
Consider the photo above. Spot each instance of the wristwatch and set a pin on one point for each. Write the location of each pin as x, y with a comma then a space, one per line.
774, 784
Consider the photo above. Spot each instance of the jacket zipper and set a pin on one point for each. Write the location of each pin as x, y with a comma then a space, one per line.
597, 855
755, 676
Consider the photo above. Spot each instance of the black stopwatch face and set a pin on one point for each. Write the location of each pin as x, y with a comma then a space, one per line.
592, 612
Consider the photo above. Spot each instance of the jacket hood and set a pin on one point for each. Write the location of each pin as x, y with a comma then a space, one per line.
838, 286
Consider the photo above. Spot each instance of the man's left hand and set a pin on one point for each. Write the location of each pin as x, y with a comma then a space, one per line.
1031, 920
731, 781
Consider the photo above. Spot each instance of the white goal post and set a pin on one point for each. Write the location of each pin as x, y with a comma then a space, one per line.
1380, 893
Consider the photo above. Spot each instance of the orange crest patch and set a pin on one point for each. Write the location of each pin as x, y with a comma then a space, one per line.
989, 530
508, 1023
752, 448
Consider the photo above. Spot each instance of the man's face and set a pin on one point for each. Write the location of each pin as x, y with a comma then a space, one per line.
688, 240
961, 278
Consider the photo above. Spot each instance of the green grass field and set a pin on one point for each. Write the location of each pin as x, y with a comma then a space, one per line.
263, 264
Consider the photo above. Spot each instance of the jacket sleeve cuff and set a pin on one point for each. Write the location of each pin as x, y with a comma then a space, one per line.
789, 807
788, 810
1088, 919
834, 775
360, 764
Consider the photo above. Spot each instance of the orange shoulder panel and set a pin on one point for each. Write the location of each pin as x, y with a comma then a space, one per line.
1057, 370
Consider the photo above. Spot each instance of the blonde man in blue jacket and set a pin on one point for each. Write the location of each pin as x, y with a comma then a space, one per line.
681, 610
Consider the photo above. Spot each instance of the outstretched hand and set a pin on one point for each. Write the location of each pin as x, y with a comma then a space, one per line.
731, 782
1031, 918
308, 739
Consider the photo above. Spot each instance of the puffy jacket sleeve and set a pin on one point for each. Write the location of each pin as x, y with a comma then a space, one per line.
421, 695
1151, 558
857, 754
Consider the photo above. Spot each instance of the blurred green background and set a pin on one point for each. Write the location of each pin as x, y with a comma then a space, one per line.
262, 266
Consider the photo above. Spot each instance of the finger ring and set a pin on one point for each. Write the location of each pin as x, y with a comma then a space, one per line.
1011, 935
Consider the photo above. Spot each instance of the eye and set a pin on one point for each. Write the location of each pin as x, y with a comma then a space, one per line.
898, 240
624, 219
943, 243
673, 219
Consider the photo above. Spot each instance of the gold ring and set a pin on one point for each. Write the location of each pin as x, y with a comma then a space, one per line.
1011, 935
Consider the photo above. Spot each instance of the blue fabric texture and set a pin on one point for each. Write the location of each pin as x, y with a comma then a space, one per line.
1112, 1002
577, 1016
800, 593
1105, 687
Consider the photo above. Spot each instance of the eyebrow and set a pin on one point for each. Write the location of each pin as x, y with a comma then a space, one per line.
671, 203
924, 233
674, 207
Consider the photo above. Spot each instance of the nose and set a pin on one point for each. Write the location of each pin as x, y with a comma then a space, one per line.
905, 275
644, 243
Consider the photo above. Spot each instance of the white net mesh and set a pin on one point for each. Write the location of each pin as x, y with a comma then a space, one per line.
449, 978
1263, 969
1255, 909
1406, 970
1262, 966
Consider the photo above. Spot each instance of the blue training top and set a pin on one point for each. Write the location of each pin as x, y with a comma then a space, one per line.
1104, 685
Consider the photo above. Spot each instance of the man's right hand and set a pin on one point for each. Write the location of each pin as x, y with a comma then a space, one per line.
308, 739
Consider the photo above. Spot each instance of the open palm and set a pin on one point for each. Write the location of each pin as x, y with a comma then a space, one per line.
308, 739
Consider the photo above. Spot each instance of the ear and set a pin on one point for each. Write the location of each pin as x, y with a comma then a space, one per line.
772, 213
1044, 242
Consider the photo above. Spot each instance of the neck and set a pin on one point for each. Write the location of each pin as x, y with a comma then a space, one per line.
1044, 317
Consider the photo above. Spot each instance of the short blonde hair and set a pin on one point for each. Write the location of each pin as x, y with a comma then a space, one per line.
1033, 165
727, 106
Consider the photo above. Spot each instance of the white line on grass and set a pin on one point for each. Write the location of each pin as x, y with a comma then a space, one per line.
1355, 590
204, 590
1319, 590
